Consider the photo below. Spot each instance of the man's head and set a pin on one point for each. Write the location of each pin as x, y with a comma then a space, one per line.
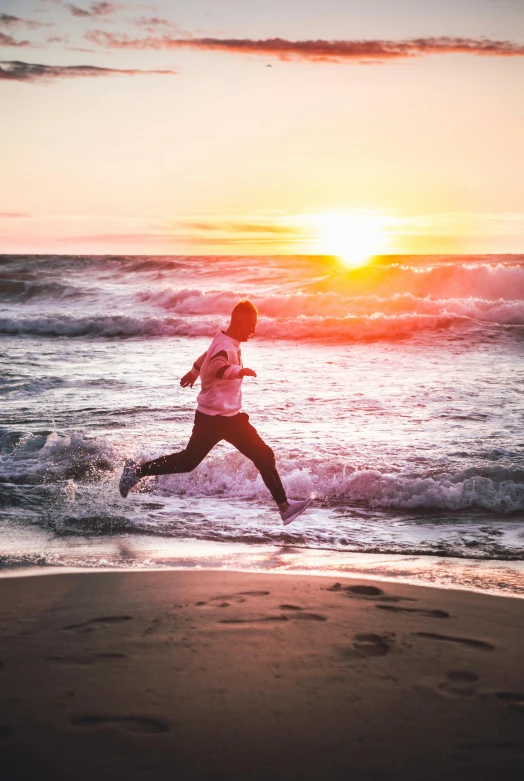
244, 319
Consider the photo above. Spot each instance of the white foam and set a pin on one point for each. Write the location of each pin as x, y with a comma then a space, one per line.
349, 328
290, 306
107, 326
230, 474
38, 458
234, 476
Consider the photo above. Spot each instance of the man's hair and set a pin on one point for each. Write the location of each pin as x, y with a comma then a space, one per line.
243, 307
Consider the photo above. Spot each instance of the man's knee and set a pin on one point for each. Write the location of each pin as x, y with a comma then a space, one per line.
265, 458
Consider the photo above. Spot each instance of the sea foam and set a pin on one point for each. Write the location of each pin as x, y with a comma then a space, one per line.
37, 458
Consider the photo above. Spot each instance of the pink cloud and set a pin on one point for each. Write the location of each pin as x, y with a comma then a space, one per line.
242, 227
319, 50
6, 20
96, 9
8, 40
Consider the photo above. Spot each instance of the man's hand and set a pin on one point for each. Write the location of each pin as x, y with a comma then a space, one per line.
188, 379
247, 373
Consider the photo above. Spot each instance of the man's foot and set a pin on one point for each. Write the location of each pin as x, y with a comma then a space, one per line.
294, 510
130, 477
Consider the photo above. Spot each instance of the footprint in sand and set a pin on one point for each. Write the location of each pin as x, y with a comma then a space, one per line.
142, 725
362, 591
225, 600
100, 620
85, 659
264, 619
421, 611
299, 614
460, 683
513, 699
368, 644
303, 616
480, 645
293, 616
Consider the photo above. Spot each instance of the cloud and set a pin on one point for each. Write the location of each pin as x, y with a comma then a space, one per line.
58, 39
8, 40
243, 227
151, 24
31, 72
13, 215
96, 9
6, 20
319, 50
203, 231
170, 239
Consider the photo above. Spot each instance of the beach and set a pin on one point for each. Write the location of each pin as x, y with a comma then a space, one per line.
233, 675
183, 632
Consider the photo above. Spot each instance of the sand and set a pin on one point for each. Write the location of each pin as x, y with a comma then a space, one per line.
222, 675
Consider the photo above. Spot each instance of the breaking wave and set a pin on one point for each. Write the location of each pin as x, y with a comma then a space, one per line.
99, 326
445, 280
27, 290
350, 328
501, 491
331, 304
44, 457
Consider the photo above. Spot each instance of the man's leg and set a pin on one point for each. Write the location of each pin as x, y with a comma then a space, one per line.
207, 432
242, 435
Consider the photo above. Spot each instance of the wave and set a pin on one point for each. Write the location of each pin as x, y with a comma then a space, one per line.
499, 490
24, 290
101, 326
437, 280
46, 457
330, 304
315, 308
441, 277
447, 280
341, 329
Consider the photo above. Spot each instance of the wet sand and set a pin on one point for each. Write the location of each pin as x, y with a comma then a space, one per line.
224, 675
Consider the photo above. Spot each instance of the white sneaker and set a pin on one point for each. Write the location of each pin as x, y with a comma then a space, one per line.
130, 477
294, 510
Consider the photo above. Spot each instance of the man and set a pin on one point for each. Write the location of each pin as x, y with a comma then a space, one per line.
219, 416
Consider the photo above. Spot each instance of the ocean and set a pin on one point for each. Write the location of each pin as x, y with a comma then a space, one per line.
392, 392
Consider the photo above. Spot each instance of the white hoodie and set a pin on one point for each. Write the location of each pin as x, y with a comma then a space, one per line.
219, 368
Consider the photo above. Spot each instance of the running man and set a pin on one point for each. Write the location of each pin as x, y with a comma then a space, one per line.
219, 416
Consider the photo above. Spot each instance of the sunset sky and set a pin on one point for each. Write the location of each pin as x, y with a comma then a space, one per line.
230, 127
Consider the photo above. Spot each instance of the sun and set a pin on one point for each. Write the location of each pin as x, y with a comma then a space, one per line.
354, 237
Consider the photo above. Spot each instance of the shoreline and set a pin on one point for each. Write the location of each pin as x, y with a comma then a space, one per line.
133, 553
234, 675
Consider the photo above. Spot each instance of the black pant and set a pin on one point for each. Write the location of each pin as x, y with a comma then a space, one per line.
208, 430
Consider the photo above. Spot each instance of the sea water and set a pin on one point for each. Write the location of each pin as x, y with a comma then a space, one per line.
393, 392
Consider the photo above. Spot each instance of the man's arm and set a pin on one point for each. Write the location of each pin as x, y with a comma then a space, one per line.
220, 367
191, 377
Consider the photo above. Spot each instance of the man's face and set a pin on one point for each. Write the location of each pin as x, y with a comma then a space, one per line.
248, 326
